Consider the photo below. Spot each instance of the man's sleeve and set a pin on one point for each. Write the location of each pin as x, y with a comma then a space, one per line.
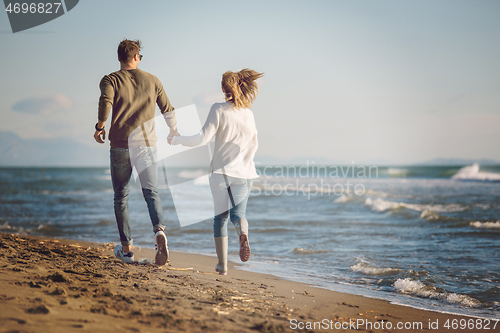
166, 108
106, 98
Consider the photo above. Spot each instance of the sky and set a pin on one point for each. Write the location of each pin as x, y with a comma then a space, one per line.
345, 81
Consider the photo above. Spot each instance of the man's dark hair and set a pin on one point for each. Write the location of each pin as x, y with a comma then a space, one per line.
128, 49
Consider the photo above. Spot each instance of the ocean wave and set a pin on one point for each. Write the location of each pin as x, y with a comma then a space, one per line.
271, 230
483, 206
299, 250
396, 172
447, 173
367, 269
6, 226
472, 173
486, 225
381, 205
343, 198
417, 288
300, 189
48, 230
376, 193
431, 215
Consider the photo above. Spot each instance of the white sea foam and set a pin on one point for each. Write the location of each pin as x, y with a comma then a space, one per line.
365, 268
408, 286
6, 226
314, 189
396, 172
414, 287
472, 173
13, 229
381, 205
343, 198
430, 215
299, 250
486, 225
483, 206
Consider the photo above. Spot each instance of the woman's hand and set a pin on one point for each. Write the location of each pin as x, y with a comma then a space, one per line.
175, 141
173, 133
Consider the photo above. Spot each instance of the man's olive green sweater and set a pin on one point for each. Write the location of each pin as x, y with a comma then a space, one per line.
133, 96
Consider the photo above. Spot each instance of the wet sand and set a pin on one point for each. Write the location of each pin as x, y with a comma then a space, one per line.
56, 285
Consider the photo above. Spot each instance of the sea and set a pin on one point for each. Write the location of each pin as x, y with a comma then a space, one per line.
421, 236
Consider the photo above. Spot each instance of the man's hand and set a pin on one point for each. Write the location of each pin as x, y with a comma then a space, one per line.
100, 136
173, 132
175, 141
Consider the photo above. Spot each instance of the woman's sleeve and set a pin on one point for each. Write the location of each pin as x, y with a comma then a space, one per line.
206, 134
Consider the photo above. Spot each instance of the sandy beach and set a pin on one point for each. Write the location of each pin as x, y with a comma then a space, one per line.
57, 285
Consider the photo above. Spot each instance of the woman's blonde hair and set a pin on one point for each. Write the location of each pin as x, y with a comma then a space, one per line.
240, 87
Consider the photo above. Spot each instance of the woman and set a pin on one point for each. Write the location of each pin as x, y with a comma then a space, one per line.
232, 170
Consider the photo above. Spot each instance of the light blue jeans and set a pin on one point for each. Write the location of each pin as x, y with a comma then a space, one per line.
223, 205
145, 161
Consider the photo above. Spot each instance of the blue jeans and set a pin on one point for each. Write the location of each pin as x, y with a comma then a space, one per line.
240, 191
144, 160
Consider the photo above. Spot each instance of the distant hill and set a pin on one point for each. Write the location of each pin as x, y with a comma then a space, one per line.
61, 151
458, 161
313, 160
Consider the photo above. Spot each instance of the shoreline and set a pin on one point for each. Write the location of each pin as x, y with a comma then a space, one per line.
361, 292
352, 289
67, 285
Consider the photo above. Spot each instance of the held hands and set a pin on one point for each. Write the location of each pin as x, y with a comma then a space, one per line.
175, 141
100, 136
171, 136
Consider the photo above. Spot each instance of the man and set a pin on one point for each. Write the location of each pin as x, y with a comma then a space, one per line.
132, 95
